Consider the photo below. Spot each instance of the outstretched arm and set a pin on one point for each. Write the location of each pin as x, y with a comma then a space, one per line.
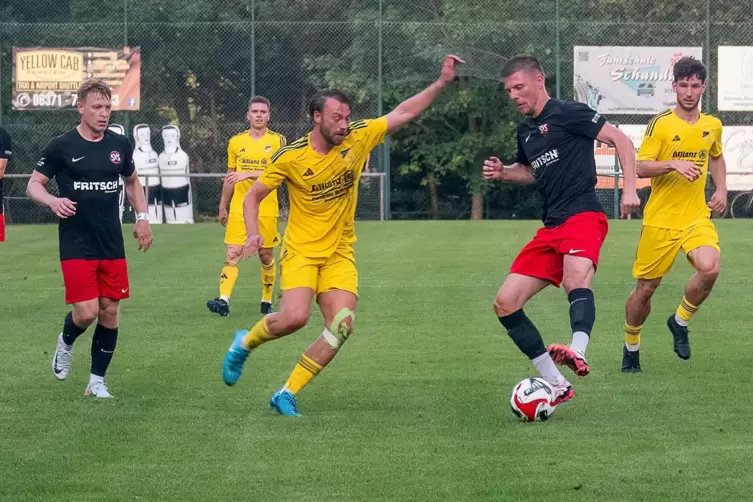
415, 105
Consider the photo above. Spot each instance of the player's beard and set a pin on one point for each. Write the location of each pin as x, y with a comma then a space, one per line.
330, 137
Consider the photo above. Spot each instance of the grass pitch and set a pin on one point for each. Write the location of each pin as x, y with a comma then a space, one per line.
414, 408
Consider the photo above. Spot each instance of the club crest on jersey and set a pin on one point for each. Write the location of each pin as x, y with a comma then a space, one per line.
115, 157
268, 148
544, 129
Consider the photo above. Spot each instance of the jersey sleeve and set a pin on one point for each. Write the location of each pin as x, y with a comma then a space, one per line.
128, 165
231, 157
49, 163
582, 119
716, 146
373, 130
6, 150
275, 173
651, 144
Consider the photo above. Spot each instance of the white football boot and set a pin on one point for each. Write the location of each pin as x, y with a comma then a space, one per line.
97, 389
61, 361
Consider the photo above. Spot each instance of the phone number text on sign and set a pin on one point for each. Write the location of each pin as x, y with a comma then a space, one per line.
47, 78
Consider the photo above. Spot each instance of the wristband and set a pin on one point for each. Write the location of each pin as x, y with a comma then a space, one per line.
142, 216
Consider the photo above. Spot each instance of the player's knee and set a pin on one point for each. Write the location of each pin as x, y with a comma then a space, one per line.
505, 305
708, 267
294, 320
266, 255
108, 315
577, 280
234, 254
84, 315
340, 328
644, 290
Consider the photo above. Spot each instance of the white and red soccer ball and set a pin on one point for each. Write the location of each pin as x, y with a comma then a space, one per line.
531, 400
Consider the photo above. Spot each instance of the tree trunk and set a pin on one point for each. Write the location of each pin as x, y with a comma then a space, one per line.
431, 181
477, 206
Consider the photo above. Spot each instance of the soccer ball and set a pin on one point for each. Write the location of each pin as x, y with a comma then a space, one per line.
531, 400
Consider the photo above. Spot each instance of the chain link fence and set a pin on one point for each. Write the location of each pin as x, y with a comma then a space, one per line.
202, 60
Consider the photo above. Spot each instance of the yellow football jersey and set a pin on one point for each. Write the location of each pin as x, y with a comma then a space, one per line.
245, 154
675, 202
323, 189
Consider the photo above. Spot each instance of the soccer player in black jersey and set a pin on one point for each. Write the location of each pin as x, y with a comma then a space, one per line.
556, 151
87, 163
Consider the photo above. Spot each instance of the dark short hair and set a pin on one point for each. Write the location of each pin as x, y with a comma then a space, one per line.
316, 104
521, 62
688, 67
94, 86
260, 99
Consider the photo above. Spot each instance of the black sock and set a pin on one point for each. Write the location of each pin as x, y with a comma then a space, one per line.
582, 310
524, 334
70, 330
103, 347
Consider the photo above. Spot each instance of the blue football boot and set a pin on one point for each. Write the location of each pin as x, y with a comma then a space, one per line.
232, 366
283, 402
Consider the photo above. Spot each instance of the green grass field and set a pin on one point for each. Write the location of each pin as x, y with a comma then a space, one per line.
414, 408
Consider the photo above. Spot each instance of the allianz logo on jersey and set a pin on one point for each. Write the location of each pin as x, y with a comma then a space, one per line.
96, 186
689, 155
545, 159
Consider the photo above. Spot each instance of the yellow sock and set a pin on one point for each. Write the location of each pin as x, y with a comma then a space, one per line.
268, 277
227, 279
258, 335
686, 310
632, 336
304, 371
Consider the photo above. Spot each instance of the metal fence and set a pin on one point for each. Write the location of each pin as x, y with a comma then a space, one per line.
202, 59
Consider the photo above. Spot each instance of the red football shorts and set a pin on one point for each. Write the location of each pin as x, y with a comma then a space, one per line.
89, 279
580, 235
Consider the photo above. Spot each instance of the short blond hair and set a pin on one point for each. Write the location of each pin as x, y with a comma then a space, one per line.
94, 86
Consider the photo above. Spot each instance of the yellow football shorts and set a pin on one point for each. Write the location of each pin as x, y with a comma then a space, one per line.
235, 232
320, 274
658, 247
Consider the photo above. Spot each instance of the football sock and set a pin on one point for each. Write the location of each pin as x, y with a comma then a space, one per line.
582, 318
103, 348
258, 335
70, 330
524, 334
227, 280
548, 370
632, 337
268, 276
303, 373
528, 339
685, 312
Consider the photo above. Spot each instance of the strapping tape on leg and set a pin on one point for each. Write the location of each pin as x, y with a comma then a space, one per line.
337, 333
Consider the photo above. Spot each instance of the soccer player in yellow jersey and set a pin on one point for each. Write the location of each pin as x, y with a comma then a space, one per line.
322, 171
680, 147
248, 155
